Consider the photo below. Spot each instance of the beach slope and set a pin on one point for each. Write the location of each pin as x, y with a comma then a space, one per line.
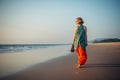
103, 64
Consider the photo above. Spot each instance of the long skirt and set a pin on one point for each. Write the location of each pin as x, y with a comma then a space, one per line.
81, 54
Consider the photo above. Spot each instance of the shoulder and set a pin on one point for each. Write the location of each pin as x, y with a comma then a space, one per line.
75, 28
85, 28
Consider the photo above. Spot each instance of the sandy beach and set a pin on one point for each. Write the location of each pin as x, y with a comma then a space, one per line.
103, 64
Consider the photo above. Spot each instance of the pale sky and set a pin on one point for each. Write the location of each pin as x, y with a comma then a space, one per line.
53, 21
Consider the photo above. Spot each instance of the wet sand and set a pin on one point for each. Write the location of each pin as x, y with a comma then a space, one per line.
103, 64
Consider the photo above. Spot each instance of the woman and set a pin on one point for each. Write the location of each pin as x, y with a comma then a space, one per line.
80, 41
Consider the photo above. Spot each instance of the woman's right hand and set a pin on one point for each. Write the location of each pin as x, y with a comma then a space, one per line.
72, 48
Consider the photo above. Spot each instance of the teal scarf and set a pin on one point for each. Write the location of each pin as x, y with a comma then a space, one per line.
80, 37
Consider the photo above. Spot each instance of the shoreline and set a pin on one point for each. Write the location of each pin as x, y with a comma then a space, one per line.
10, 63
103, 60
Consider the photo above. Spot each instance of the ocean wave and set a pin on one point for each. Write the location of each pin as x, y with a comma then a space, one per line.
4, 48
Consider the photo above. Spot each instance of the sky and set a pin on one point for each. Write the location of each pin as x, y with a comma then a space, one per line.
53, 21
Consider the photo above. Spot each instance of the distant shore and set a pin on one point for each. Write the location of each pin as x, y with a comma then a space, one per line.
106, 40
102, 64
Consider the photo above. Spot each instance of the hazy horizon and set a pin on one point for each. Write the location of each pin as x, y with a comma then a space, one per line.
53, 21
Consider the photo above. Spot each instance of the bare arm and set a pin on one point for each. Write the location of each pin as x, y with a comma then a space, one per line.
75, 30
85, 28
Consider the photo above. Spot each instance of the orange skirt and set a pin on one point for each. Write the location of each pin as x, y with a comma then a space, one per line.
82, 55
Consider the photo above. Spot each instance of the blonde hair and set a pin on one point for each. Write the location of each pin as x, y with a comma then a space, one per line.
80, 19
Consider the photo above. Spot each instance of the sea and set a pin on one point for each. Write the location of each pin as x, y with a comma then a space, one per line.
17, 57
11, 48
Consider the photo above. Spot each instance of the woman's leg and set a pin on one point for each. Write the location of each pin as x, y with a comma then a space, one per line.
82, 56
78, 56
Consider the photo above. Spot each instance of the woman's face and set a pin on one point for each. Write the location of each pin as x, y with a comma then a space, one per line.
78, 21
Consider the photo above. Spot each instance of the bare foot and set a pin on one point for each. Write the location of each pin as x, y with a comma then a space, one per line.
78, 66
